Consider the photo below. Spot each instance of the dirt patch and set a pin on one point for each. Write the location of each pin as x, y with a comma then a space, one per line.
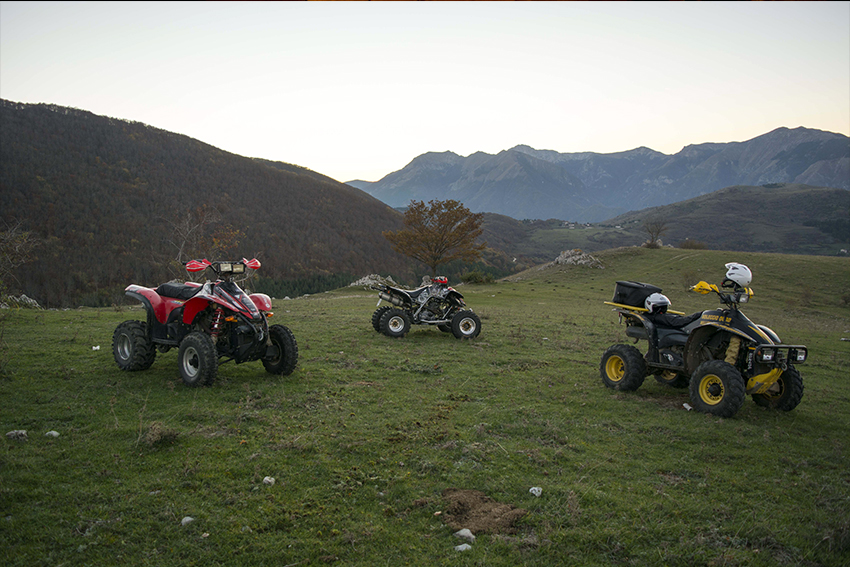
473, 510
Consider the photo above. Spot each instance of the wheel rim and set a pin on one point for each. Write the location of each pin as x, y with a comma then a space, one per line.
615, 368
467, 326
124, 347
711, 389
395, 324
191, 362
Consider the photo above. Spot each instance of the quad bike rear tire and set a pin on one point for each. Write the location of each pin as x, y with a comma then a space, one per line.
785, 394
132, 348
717, 388
395, 323
672, 378
287, 349
466, 324
622, 368
198, 360
376, 317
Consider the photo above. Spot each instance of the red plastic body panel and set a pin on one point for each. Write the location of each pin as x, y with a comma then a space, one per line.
161, 306
262, 301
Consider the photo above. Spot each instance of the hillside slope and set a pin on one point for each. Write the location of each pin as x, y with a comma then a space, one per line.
779, 218
107, 195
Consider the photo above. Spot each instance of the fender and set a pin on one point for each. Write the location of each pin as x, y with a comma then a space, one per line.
455, 296
155, 304
262, 301
737, 323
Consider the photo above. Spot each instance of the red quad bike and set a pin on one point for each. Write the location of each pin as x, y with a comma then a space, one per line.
721, 357
435, 304
205, 322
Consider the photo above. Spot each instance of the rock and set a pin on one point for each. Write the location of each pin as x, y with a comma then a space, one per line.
53, 434
463, 547
536, 490
187, 520
269, 480
17, 435
465, 534
373, 279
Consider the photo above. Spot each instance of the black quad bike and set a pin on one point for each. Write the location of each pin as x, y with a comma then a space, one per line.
435, 304
205, 322
720, 357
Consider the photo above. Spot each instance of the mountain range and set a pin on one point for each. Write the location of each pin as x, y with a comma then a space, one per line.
114, 202
525, 183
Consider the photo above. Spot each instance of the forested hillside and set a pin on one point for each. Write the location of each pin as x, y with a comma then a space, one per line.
117, 202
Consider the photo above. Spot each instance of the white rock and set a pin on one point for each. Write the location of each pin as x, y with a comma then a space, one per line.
269, 480
187, 520
17, 435
536, 490
53, 434
465, 534
463, 547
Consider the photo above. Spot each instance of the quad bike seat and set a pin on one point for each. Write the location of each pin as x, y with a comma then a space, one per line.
178, 291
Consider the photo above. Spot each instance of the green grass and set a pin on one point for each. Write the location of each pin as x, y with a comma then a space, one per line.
368, 431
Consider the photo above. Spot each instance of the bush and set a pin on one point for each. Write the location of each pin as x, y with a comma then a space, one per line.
689, 244
476, 277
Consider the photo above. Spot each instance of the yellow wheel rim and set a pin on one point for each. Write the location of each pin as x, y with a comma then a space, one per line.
615, 368
711, 389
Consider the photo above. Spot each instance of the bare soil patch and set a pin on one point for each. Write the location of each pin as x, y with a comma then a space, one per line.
477, 512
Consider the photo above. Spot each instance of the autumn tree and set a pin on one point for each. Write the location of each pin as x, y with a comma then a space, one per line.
438, 232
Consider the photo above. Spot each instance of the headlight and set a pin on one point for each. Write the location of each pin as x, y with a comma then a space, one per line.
767, 355
798, 354
238, 268
225, 268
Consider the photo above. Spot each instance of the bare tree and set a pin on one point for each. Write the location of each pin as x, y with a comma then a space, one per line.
654, 227
16, 248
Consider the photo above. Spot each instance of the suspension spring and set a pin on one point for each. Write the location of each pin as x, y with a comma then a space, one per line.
215, 327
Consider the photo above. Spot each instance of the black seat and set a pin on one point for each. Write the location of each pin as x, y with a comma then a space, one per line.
177, 291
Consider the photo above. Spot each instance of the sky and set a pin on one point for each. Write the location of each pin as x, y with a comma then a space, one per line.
356, 90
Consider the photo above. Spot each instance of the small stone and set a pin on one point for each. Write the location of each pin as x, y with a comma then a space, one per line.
53, 434
463, 547
187, 520
536, 490
465, 534
269, 480
17, 435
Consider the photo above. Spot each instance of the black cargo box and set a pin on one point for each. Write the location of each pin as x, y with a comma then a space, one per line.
633, 293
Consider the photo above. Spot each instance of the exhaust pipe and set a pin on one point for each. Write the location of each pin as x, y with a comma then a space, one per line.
391, 298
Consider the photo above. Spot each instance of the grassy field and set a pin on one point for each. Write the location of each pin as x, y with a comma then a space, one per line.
368, 432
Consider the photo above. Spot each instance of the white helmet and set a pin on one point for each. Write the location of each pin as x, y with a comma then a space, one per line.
657, 303
739, 273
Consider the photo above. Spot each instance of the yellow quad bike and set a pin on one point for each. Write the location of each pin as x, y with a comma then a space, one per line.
721, 357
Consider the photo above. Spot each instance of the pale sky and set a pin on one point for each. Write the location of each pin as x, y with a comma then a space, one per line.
357, 90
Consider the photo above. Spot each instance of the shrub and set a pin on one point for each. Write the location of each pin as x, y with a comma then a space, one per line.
689, 244
476, 277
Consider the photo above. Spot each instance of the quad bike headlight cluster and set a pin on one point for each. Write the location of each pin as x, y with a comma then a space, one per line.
231, 268
769, 355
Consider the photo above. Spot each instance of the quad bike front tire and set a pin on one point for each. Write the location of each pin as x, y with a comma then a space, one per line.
198, 360
376, 317
132, 348
672, 378
785, 394
287, 351
466, 325
717, 388
395, 323
622, 368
